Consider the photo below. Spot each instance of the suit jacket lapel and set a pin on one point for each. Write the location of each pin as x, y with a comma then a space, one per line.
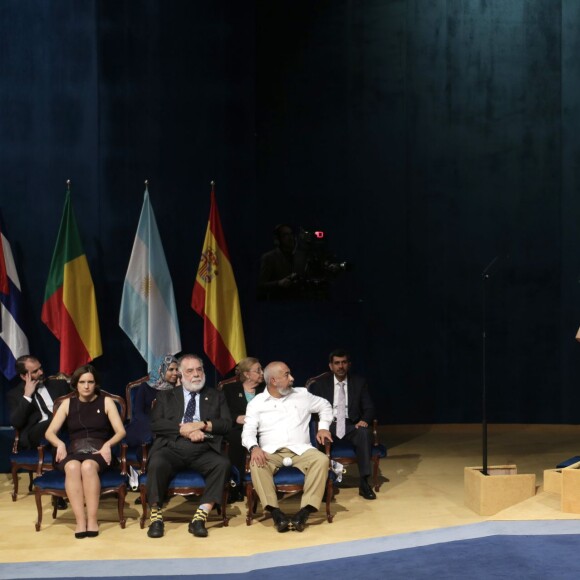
179, 402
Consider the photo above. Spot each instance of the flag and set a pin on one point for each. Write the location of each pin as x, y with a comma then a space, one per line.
215, 298
148, 314
13, 341
70, 307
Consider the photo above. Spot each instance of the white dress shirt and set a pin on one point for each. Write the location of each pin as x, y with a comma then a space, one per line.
284, 422
42, 391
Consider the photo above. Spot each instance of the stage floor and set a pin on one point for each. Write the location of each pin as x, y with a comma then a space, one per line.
424, 492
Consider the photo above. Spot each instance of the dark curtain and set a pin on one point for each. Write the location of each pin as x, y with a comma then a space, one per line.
424, 138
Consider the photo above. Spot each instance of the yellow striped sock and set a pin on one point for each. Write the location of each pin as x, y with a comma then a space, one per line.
200, 514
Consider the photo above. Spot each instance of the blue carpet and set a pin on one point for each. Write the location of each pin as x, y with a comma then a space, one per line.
515, 550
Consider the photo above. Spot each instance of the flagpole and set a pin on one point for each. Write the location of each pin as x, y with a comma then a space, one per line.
147, 184
215, 373
68, 185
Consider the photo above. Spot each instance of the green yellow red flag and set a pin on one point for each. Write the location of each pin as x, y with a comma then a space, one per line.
70, 307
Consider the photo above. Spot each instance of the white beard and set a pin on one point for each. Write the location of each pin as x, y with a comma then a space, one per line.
193, 387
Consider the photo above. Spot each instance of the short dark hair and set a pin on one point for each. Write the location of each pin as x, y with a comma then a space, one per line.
74, 380
339, 352
21, 363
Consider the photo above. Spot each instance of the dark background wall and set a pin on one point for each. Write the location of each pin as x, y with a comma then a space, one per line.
425, 137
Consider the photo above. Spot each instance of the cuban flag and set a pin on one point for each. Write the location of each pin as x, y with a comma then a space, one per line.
13, 341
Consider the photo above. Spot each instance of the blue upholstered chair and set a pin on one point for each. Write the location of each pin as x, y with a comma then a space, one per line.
28, 460
344, 452
185, 483
134, 454
113, 481
288, 480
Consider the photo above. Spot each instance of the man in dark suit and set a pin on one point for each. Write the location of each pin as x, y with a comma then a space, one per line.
31, 402
353, 411
188, 423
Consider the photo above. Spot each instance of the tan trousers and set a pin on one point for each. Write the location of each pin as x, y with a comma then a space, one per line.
313, 463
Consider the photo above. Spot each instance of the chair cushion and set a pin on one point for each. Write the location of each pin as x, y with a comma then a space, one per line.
289, 476
28, 456
55, 480
568, 462
185, 478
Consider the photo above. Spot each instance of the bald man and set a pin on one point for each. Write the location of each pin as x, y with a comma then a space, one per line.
277, 427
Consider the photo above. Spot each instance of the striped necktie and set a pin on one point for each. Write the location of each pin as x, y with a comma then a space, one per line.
341, 412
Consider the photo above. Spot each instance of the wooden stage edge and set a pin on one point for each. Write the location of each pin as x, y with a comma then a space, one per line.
425, 491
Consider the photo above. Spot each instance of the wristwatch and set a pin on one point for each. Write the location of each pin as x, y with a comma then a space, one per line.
253, 447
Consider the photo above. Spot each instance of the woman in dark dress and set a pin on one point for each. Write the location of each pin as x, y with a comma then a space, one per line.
164, 377
90, 418
238, 395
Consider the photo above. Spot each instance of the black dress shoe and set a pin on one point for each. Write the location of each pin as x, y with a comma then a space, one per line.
61, 503
281, 520
300, 519
156, 529
197, 528
366, 491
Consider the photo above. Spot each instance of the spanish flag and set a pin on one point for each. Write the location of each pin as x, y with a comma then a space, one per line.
70, 308
215, 298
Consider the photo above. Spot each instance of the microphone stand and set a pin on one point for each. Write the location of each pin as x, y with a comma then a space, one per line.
485, 276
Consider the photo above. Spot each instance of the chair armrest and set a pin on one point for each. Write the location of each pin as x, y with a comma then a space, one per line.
40, 463
375, 433
16, 441
144, 457
123, 458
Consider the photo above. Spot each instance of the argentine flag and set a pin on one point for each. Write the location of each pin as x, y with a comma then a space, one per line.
13, 341
148, 314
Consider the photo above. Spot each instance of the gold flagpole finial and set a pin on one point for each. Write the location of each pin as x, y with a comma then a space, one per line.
68, 185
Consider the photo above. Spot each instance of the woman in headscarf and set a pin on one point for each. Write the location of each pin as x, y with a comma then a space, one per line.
163, 378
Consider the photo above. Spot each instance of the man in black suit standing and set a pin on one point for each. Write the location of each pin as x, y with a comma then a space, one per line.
188, 423
353, 411
31, 402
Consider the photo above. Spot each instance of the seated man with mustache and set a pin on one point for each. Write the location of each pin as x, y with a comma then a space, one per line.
188, 423
279, 419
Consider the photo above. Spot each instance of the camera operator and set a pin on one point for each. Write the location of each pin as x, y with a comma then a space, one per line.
277, 277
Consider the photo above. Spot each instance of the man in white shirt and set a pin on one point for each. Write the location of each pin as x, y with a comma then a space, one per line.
277, 427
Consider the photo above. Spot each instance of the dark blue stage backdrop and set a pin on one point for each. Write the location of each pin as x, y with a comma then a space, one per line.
424, 138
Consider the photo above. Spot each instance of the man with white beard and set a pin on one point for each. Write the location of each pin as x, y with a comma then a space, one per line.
276, 433
188, 423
